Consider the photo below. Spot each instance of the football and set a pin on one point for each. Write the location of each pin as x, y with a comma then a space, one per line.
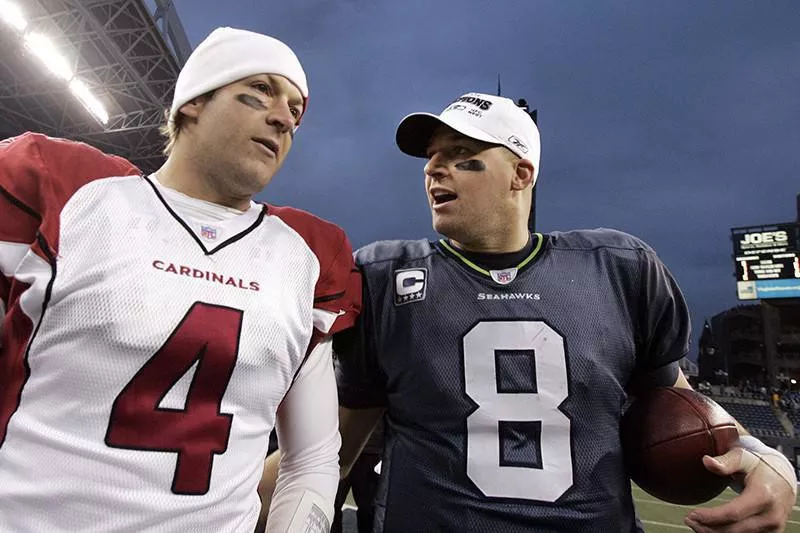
665, 434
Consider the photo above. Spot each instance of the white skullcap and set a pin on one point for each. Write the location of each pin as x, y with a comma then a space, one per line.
228, 55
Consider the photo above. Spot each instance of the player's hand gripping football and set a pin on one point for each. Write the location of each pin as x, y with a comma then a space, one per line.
769, 492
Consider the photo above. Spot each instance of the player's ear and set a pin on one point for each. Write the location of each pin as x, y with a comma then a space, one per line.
523, 175
194, 107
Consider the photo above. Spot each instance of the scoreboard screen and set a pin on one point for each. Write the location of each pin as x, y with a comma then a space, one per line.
767, 261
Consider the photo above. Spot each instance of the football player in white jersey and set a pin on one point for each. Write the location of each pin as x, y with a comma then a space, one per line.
156, 328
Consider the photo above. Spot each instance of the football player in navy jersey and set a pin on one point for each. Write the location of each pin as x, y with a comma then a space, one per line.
502, 359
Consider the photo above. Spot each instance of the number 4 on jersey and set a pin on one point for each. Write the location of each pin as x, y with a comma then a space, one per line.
208, 335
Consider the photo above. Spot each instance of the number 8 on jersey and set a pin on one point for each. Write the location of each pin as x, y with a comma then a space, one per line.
517, 420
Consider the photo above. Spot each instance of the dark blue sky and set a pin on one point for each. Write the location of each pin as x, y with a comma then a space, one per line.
673, 121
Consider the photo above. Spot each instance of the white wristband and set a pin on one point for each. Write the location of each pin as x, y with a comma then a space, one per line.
755, 452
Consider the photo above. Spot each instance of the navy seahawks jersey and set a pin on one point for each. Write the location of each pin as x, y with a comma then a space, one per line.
504, 389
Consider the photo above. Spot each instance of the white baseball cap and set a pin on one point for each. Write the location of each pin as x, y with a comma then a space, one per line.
485, 117
230, 54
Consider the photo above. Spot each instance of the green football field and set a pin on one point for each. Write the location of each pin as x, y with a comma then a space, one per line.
658, 516
662, 517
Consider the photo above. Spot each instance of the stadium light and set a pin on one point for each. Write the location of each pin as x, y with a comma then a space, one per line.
43, 48
90, 101
47, 52
12, 15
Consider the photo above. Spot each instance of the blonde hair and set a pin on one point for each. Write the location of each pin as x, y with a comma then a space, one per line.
171, 129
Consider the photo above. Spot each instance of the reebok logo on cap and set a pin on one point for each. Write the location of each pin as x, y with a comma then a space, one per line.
519, 144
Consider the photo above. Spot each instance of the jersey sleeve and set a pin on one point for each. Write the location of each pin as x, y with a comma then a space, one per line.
38, 175
337, 294
359, 378
664, 325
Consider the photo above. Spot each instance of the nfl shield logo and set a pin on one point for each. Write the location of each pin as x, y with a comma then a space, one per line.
207, 232
505, 276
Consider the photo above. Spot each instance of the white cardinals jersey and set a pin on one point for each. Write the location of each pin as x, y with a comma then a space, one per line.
143, 361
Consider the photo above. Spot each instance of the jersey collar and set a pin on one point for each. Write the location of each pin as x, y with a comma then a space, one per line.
503, 276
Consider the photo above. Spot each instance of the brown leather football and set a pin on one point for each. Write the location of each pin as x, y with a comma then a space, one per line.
665, 434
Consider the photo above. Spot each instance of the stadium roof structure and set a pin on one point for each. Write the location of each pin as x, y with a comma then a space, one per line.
98, 71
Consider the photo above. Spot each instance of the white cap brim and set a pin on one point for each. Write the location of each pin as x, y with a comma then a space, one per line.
415, 131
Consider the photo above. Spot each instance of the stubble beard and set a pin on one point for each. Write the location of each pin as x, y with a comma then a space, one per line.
237, 175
